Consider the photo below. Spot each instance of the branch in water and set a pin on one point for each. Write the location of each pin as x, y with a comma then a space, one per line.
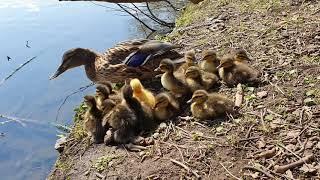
16, 70
69, 95
119, 1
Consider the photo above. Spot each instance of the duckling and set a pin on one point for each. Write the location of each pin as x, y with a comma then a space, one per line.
208, 106
166, 107
142, 94
169, 81
104, 92
233, 72
190, 59
93, 120
240, 55
209, 61
197, 79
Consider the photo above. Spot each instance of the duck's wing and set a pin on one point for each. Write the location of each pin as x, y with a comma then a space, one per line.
147, 51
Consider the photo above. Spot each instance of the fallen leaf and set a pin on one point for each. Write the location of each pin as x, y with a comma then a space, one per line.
311, 92
291, 147
219, 129
269, 117
308, 168
261, 144
309, 102
293, 134
289, 174
262, 94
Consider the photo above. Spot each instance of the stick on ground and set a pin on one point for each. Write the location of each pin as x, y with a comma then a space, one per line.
185, 167
284, 168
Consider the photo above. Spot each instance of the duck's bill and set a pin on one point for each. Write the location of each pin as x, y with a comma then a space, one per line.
190, 101
157, 69
57, 73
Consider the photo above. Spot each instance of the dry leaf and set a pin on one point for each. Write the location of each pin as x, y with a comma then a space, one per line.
262, 94
293, 134
289, 174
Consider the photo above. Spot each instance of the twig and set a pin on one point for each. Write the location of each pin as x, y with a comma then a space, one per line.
185, 167
262, 113
239, 96
249, 131
266, 154
279, 89
259, 170
81, 89
229, 172
271, 112
16, 70
284, 168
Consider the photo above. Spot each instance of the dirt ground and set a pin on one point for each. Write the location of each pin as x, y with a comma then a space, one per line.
276, 135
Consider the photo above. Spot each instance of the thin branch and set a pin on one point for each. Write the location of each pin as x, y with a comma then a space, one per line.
229, 172
122, 7
154, 17
16, 70
185, 167
81, 89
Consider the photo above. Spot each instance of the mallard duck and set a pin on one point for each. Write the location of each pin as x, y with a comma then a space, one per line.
197, 79
143, 95
93, 120
208, 106
166, 106
130, 59
209, 61
169, 81
232, 72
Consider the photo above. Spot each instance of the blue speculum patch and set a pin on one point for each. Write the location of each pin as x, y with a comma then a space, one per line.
137, 59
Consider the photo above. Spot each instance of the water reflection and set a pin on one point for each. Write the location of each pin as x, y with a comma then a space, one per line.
51, 27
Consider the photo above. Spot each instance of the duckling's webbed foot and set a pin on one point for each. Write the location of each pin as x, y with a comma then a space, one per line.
108, 138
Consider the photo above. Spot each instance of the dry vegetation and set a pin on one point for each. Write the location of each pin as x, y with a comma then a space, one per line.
277, 133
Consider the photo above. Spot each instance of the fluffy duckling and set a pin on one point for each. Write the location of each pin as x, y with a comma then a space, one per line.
208, 106
169, 81
197, 79
233, 72
123, 120
142, 94
104, 91
93, 120
166, 107
209, 62
190, 60
240, 55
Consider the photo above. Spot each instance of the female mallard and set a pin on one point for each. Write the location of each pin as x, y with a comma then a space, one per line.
129, 59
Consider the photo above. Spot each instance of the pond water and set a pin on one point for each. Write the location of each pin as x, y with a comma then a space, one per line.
50, 27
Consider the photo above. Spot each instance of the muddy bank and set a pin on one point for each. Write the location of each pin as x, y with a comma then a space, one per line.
279, 123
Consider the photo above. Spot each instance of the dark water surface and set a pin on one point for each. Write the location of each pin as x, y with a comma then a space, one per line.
51, 27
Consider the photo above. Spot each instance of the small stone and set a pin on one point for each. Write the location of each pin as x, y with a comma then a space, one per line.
59, 146
156, 135
162, 127
262, 94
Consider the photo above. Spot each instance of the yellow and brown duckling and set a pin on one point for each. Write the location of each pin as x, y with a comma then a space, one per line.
190, 60
93, 120
209, 61
143, 95
197, 79
232, 72
240, 55
166, 106
130, 59
208, 106
169, 81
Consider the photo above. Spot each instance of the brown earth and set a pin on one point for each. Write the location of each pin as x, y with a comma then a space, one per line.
279, 122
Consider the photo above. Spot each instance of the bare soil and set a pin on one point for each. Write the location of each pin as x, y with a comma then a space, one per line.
279, 120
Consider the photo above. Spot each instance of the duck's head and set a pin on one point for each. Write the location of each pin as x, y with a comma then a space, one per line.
102, 91
74, 58
190, 56
209, 55
192, 72
199, 96
89, 101
241, 55
127, 91
162, 100
108, 104
136, 85
166, 65
226, 62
